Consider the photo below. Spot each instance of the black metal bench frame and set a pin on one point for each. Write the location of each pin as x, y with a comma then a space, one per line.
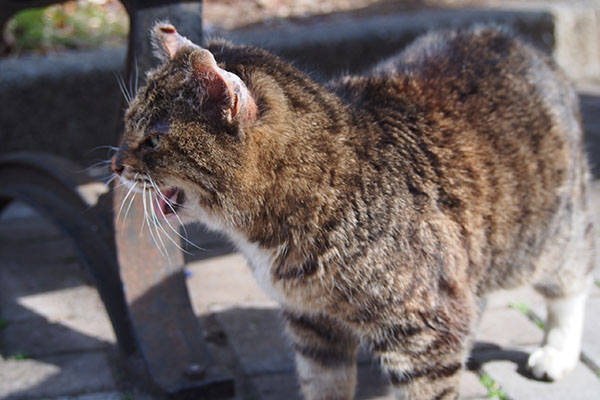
145, 295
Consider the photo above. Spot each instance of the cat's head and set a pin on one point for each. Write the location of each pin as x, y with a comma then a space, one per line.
185, 131
237, 138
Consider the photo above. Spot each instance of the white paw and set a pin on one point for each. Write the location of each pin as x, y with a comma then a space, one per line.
549, 363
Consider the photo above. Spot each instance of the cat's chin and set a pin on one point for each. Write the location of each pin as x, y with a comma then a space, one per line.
169, 201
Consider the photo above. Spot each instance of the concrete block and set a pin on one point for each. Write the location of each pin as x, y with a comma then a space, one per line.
17, 210
79, 308
502, 298
74, 96
26, 280
257, 339
94, 396
40, 338
222, 282
591, 330
276, 386
471, 388
26, 236
577, 32
371, 385
507, 328
351, 44
65, 375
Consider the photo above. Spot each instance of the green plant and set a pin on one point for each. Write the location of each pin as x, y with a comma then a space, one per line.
72, 25
524, 309
19, 356
493, 388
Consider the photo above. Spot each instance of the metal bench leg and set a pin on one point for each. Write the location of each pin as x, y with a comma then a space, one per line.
166, 326
155, 290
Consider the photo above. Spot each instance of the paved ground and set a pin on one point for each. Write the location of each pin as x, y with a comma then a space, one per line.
57, 343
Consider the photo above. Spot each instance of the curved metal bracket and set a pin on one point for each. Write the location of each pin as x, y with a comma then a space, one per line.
73, 201
149, 308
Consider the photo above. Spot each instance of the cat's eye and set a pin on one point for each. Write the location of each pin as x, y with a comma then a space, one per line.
155, 132
152, 141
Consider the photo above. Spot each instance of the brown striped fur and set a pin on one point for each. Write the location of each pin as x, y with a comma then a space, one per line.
378, 209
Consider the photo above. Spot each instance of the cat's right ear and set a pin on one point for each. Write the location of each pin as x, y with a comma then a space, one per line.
166, 41
224, 90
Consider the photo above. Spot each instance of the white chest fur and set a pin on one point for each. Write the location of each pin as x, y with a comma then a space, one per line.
261, 260
261, 263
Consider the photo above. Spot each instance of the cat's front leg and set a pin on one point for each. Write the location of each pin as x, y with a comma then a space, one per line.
421, 363
423, 379
325, 356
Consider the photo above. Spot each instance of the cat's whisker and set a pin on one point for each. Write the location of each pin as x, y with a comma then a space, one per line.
157, 223
131, 85
158, 242
128, 208
145, 208
111, 178
135, 64
152, 221
123, 202
95, 165
123, 89
112, 149
146, 219
184, 236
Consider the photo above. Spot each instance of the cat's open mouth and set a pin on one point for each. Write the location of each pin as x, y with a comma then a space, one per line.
169, 200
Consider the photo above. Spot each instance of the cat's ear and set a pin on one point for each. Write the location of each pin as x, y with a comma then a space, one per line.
166, 41
221, 88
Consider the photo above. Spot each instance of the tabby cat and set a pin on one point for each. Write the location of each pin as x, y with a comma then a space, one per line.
379, 209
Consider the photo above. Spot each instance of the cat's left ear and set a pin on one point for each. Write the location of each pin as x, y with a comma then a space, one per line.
166, 41
225, 91
222, 89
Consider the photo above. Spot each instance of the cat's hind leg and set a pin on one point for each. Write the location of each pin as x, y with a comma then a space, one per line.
325, 353
565, 290
559, 351
564, 279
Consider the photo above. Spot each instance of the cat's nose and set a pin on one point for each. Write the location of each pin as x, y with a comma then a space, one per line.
117, 167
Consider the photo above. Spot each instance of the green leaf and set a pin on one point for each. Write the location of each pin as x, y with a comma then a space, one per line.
524, 309
19, 356
80, 25
493, 388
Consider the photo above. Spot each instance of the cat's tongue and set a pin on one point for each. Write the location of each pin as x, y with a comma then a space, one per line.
167, 202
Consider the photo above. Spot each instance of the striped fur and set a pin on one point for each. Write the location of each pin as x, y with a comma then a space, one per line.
380, 209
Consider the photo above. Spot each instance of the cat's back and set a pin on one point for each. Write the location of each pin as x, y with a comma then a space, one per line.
475, 70
492, 130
